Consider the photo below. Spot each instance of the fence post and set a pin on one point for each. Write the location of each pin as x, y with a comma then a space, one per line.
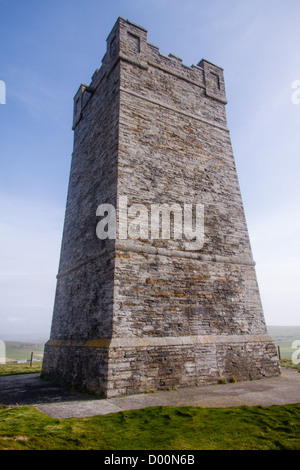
31, 359
279, 355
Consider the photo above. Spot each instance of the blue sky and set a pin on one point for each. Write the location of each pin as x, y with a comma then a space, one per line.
49, 48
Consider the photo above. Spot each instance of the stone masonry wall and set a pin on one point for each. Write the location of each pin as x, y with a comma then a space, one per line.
133, 315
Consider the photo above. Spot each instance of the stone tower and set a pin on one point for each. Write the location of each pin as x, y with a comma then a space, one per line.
147, 309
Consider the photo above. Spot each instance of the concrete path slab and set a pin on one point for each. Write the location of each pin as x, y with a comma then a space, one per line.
62, 402
28, 389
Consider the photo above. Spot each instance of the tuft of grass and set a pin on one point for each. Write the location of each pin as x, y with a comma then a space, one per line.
156, 428
288, 363
222, 381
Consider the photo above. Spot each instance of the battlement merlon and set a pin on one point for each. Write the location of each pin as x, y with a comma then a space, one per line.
127, 42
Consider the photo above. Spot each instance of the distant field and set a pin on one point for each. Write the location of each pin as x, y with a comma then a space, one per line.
284, 336
16, 351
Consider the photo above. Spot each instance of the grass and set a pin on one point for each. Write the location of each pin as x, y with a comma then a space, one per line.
155, 428
288, 363
23, 368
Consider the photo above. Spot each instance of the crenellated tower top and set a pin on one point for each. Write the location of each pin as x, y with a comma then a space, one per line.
127, 42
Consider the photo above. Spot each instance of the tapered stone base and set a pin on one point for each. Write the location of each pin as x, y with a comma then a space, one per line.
123, 366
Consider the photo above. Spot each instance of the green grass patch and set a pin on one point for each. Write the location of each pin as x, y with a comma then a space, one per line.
155, 428
23, 368
288, 363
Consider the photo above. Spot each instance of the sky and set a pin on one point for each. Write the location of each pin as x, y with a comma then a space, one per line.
48, 48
